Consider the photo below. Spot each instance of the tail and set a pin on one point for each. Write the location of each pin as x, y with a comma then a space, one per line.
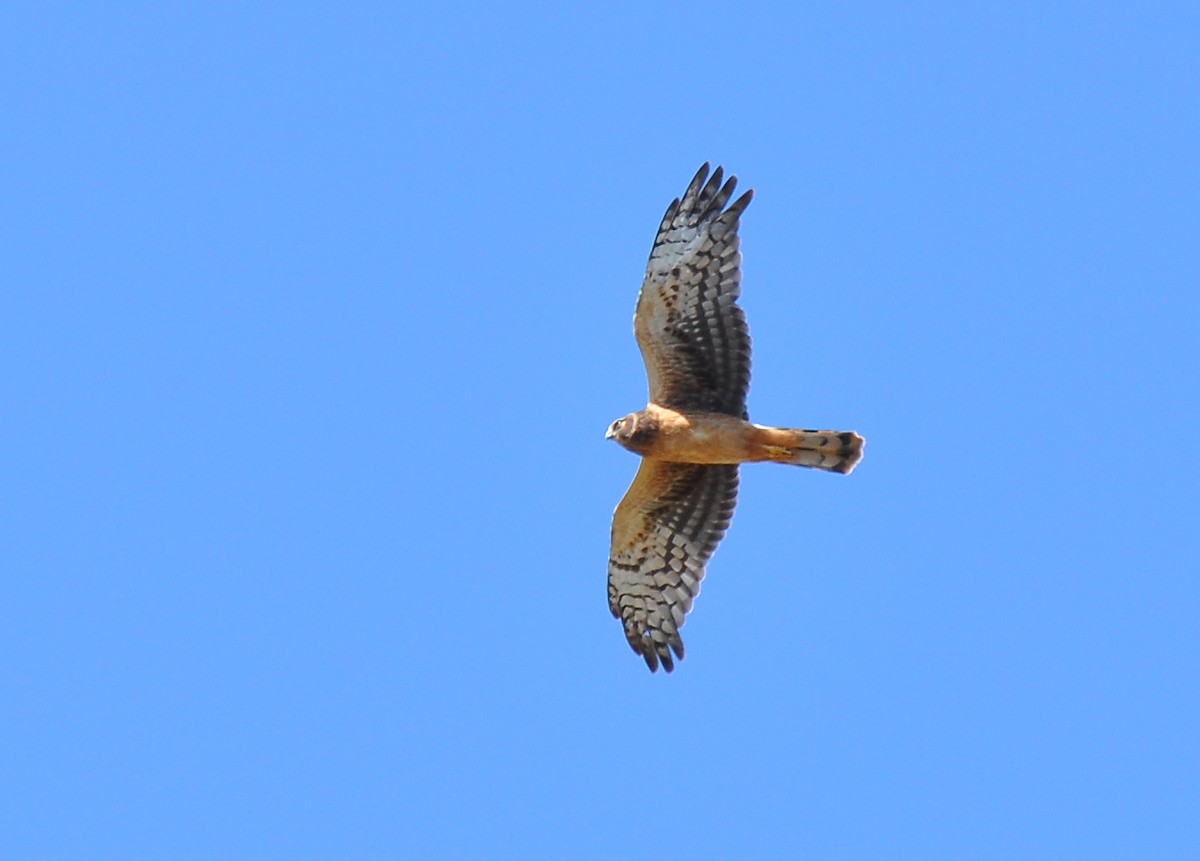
835, 451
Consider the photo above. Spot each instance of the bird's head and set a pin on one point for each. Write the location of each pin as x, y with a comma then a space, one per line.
622, 429
632, 432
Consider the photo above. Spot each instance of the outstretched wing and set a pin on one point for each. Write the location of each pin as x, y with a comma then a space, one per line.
692, 334
663, 532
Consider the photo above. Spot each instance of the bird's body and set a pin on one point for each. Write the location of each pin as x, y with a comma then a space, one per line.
704, 437
695, 430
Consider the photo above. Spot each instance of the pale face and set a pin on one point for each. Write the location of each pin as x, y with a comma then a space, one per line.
622, 429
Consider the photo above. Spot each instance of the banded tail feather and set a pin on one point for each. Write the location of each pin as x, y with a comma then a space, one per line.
833, 451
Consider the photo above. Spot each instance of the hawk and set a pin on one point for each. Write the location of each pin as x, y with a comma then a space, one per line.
695, 430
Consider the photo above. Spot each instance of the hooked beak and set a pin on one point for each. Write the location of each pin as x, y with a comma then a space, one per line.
609, 434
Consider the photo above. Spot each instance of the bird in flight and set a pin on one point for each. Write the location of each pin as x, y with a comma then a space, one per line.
695, 430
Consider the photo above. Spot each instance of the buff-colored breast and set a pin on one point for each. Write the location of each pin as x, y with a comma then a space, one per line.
699, 437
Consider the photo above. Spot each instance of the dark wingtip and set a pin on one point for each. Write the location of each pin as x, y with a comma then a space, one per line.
739, 205
654, 657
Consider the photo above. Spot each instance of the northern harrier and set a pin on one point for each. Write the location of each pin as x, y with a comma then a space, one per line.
694, 431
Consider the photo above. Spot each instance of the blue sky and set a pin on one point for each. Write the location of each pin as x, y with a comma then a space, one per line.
315, 316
